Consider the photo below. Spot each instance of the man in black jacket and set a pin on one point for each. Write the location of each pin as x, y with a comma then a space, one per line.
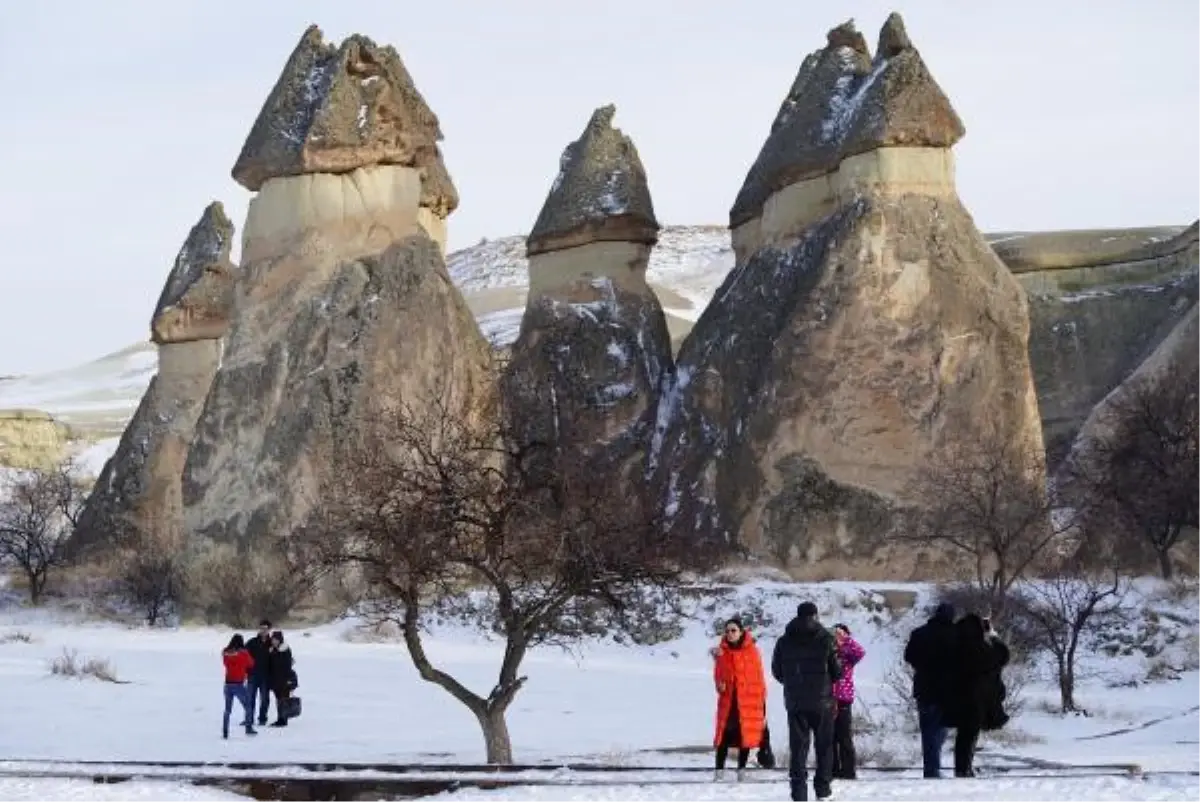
932, 652
260, 676
805, 662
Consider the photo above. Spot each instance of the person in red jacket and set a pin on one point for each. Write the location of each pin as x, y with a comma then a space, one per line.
238, 664
741, 697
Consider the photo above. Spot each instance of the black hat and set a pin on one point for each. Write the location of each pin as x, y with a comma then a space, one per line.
806, 610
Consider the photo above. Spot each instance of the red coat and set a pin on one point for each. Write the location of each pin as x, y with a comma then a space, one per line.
740, 671
237, 665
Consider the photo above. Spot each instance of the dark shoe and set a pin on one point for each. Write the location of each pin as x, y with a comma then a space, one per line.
262, 722
278, 723
225, 734
823, 793
251, 731
965, 773
799, 792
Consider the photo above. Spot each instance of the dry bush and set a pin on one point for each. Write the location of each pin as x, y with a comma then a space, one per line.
237, 588
16, 637
70, 664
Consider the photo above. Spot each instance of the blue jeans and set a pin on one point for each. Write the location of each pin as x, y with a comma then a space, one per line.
259, 692
236, 690
933, 738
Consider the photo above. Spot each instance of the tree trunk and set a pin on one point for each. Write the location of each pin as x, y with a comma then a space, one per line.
495, 736
1164, 563
36, 584
1066, 687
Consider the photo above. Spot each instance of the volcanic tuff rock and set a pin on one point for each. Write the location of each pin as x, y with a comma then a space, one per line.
140, 483
1099, 305
336, 109
865, 325
600, 192
593, 350
344, 305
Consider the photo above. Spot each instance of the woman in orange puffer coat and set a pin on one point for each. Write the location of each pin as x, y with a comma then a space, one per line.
741, 696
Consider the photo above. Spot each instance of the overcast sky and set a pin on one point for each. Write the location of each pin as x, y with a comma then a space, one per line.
123, 118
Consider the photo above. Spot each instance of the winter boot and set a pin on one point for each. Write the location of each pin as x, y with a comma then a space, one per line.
279, 722
799, 791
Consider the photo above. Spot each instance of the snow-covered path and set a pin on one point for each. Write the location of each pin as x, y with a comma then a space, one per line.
993, 790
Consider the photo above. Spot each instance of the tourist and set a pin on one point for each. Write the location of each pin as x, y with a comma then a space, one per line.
238, 663
282, 677
805, 662
260, 677
931, 651
850, 653
741, 697
978, 691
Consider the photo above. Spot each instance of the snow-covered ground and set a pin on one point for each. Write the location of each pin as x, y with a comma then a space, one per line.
609, 703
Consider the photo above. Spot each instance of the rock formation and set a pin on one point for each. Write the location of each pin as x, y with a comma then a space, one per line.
866, 324
30, 438
343, 301
1100, 303
593, 350
140, 483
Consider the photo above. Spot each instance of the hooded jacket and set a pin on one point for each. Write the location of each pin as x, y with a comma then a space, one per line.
932, 651
741, 691
281, 668
805, 662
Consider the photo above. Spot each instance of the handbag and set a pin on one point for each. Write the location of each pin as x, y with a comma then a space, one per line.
292, 706
766, 756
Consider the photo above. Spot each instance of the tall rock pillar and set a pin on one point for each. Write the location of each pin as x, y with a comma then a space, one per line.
593, 350
141, 483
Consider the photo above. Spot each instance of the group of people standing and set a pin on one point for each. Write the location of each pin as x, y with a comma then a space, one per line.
816, 669
956, 683
253, 671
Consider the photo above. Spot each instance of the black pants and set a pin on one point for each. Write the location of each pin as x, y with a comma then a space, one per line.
844, 758
281, 695
731, 737
813, 727
965, 740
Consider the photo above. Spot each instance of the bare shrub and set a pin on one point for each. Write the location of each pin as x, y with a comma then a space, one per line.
16, 637
238, 587
70, 664
1020, 637
38, 513
985, 499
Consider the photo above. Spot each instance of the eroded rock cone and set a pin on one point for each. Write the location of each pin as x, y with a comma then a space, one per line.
865, 326
594, 349
139, 485
345, 306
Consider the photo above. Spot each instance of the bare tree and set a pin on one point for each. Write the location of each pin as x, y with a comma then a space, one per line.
985, 498
38, 511
1143, 475
1063, 608
150, 572
441, 512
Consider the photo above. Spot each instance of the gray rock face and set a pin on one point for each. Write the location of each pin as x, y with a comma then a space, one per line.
1096, 315
600, 192
843, 103
309, 365
335, 109
197, 299
140, 484
842, 356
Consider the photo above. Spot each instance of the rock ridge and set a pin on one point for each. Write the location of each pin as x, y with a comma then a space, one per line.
338, 108
600, 192
843, 103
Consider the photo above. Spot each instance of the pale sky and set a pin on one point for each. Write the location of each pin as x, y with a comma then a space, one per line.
123, 118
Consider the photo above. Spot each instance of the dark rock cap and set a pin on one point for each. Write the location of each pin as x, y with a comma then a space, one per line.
197, 298
335, 109
600, 192
843, 103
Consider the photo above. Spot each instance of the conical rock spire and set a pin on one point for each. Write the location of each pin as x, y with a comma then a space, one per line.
197, 298
600, 192
337, 108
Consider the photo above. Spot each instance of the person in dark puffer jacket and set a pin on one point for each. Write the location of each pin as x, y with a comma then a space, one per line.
805, 662
932, 652
281, 677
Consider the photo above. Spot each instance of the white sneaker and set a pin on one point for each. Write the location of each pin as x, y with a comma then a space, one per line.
718, 775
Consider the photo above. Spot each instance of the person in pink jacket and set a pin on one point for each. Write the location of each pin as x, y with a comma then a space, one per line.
849, 652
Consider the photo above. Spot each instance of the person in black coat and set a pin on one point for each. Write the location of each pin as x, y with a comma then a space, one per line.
282, 677
978, 690
933, 654
259, 682
805, 662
